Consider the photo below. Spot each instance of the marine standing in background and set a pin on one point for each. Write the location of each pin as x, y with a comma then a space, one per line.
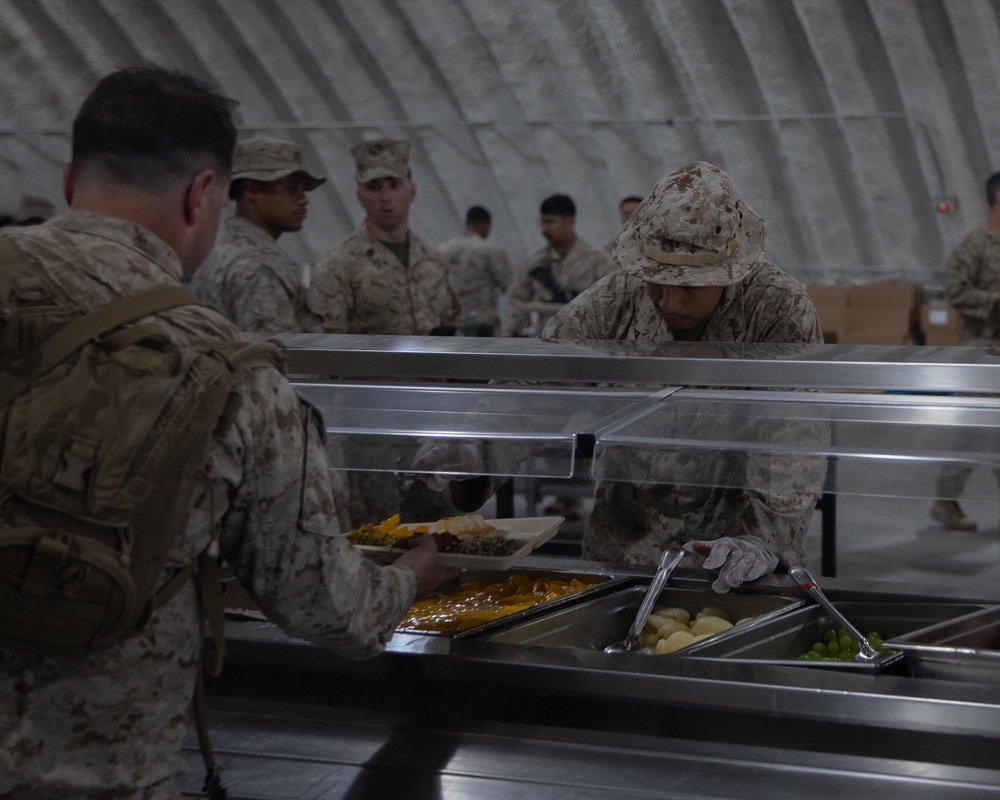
559, 271
972, 286
383, 279
480, 273
248, 278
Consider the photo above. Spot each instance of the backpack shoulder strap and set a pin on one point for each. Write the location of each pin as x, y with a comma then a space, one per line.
30, 367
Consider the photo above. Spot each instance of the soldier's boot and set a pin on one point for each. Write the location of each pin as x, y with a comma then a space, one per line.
950, 514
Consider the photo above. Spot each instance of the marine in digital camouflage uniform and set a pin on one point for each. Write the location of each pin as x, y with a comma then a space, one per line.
480, 272
248, 278
972, 286
573, 264
693, 254
111, 725
383, 279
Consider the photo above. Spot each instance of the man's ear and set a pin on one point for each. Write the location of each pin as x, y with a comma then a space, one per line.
194, 196
67, 181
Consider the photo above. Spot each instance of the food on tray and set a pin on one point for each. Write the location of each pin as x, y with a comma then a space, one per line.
837, 645
476, 602
668, 630
472, 524
388, 533
468, 535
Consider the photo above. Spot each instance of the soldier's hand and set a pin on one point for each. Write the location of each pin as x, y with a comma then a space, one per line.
423, 560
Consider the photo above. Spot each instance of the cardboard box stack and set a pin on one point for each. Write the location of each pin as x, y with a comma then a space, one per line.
940, 324
875, 313
831, 306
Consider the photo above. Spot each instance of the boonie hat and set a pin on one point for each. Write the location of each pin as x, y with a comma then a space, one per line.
693, 229
271, 160
382, 158
33, 207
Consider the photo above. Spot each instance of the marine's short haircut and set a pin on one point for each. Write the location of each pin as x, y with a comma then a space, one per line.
561, 205
148, 126
476, 215
632, 198
992, 187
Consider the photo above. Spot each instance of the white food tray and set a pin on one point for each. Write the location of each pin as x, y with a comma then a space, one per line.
531, 532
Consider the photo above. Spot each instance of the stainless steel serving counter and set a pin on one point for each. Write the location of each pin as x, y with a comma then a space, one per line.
443, 717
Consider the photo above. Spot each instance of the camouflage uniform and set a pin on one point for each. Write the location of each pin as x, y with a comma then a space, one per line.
580, 268
112, 724
635, 521
252, 282
480, 273
972, 282
361, 287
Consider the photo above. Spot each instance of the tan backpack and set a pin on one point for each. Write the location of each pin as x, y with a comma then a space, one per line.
105, 430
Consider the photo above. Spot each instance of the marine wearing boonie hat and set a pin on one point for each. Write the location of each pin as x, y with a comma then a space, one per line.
692, 230
269, 160
382, 158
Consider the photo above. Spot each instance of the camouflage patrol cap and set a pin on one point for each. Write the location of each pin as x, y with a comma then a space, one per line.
382, 158
33, 207
271, 160
692, 230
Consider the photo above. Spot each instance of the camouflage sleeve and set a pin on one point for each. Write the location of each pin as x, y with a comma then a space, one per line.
515, 316
500, 270
962, 284
328, 296
264, 303
280, 533
453, 312
782, 490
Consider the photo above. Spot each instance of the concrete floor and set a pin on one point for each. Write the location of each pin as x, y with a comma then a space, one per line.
892, 539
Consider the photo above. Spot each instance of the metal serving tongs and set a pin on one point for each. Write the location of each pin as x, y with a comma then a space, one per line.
670, 559
805, 581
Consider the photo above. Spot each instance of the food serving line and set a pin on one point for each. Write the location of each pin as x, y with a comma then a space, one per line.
530, 706
491, 714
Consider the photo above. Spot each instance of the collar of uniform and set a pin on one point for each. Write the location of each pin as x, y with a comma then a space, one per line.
125, 233
253, 232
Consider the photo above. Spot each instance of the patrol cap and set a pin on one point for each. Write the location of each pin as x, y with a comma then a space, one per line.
693, 229
271, 160
33, 207
382, 158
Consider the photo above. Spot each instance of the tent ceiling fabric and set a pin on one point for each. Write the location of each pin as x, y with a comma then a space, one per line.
843, 122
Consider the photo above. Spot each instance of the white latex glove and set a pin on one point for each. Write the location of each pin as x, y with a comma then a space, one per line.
739, 559
441, 462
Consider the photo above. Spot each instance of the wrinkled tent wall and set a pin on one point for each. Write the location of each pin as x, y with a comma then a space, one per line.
844, 122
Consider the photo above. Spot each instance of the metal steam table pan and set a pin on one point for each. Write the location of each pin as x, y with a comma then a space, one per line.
782, 641
966, 648
596, 623
598, 584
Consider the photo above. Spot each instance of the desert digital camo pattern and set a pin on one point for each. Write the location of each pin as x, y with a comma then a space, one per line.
480, 273
693, 229
634, 522
972, 283
361, 287
263, 159
580, 268
252, 282
111, 725
381, 158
